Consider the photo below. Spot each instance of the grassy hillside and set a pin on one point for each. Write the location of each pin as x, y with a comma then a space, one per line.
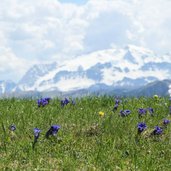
87, 139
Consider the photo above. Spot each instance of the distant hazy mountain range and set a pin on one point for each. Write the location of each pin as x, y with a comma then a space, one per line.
129, 71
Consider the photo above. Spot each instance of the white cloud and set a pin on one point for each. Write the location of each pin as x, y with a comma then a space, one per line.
11, 66
44, 30
151, 23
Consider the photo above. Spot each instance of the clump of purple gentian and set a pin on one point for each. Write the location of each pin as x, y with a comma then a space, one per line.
115, 107
124, 113
12, 127
141, 127
43, 101
47, 99
142, 111
117, 102
166, 122
151, 110
53, 130
64, 102
36, 134
157, 130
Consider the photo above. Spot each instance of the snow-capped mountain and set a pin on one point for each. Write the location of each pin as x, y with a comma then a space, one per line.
6, 87
129, 68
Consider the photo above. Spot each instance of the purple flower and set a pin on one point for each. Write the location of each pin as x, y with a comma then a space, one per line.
64, 102
47, 99
157, 130
115, 107
142, 111
151, 110
141, 127
124, 113
36, 133
127, 111
39, 102
166, 121
117, 101
53, 130
43, 101
12, 127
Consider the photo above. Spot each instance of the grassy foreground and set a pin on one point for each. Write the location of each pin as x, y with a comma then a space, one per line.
86, 140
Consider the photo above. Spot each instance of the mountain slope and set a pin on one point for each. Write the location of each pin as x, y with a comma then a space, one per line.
160, 88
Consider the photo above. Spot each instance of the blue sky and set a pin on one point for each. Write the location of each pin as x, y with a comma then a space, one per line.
41, 31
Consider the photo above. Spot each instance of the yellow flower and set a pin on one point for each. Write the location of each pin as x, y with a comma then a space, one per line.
101, 113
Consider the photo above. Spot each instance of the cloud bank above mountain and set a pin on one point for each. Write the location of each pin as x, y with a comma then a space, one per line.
41, 31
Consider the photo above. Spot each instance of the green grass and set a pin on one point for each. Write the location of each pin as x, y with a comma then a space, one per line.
85, 141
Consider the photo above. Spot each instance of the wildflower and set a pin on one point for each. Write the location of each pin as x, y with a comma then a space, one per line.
142, 111
115, 107
101, 114
43, 101
47, 99
64, 102
151, 110
125, 112
157, 130
39, 102
141, 127
53, 130
117, 101
36, 134
12, 127
166, 121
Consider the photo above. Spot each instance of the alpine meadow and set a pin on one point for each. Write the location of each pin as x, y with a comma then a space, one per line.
89, 133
